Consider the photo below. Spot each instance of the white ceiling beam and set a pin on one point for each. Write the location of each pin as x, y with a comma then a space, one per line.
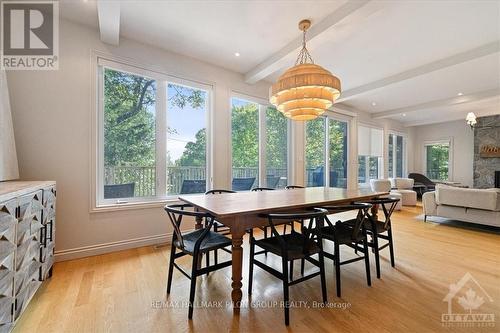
108, 13
456, 59
277, 60
438, 103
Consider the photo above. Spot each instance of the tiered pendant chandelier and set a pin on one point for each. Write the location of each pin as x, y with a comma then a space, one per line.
306, 90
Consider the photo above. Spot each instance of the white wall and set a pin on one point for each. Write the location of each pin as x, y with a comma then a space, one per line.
52, 113
462, 152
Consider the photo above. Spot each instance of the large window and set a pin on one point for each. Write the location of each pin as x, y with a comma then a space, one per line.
259, 146
370, 154
186, 139
397, 163
437, 160
326, 152
152, 135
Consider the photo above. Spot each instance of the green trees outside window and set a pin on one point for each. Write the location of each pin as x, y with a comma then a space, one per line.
437, 161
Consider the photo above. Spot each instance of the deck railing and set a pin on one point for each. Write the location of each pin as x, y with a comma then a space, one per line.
145, 177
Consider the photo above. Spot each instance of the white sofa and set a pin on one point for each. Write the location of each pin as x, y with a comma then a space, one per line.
464, 204
404, 186
384, 185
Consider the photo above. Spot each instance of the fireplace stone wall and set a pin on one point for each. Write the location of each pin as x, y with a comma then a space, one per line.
486, 132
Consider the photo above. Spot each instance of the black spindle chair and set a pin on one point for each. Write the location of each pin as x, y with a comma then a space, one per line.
352, 235
381, 229
194, 243
290, 247
219, 227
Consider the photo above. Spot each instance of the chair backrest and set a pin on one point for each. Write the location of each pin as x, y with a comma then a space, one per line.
310, 233
272, 181
217, 191
260, 189
119, 191
291, 187
419, 178
402, 183
193, 186
177, 212
242, 184
380, 185
361, 207
388, 205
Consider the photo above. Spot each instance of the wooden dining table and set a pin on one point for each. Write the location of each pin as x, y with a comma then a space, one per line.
239, 211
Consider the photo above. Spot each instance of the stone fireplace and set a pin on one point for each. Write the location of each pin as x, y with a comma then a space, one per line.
486, 132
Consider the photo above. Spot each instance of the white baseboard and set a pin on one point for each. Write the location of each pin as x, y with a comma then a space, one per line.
93, 250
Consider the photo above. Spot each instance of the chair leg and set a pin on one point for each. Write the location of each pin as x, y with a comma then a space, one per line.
192, 289
322, 276
285, 291
250, 266
291, 270
302, 264
170, 268
367, 262
391, 247
215, 257
207, 259
377, 254
337, 268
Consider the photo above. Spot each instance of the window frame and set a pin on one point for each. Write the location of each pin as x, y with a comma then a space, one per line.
447, 141
102, 61
263, 104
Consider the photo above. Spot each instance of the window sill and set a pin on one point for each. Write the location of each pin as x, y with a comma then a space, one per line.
104, 208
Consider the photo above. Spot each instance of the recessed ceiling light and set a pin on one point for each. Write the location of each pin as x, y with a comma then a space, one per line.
460, 94
404, 114
374, 104
236, 54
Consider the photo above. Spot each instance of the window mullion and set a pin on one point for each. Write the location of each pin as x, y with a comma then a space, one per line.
262, 146
327, 152
161, 139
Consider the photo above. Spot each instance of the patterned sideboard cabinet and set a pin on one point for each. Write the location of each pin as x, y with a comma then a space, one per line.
27, 242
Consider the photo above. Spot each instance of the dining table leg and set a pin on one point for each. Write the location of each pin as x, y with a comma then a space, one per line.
374, 211
237, 234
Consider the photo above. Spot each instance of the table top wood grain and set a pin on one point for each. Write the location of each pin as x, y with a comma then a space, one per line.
230, 204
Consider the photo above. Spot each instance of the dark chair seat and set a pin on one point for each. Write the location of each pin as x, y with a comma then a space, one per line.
378, 224
298, 245
342, 232
212, 241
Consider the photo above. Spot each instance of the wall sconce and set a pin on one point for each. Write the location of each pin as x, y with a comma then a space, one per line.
471, 119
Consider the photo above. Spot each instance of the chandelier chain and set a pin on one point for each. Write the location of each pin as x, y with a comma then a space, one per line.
304, 56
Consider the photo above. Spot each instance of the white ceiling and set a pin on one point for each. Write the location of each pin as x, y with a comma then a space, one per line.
408, 56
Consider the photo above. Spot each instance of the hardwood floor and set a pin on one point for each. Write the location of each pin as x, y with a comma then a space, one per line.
125, 291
